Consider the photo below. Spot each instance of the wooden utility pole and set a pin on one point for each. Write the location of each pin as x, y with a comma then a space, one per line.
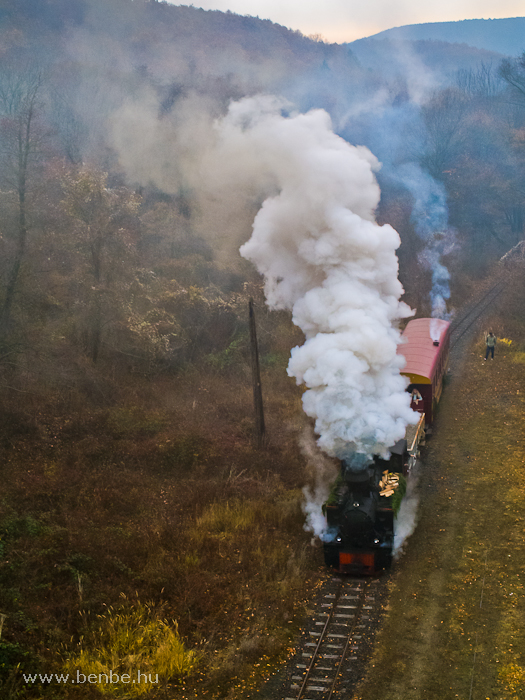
256, 380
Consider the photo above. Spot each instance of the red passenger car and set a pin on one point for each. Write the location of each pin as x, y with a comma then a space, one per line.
425, 346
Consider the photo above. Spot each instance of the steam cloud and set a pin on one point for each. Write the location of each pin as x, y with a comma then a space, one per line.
324, 472
406, 517
325, 258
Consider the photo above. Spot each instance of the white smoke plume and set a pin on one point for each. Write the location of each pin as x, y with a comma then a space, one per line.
406, 517
324, 257
315, 240
324, 474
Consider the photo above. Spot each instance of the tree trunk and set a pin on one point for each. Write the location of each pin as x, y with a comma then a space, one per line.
256, 379
23, 113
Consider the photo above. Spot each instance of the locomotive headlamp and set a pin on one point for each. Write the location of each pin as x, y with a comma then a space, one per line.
356, 504
338, 538
376, 541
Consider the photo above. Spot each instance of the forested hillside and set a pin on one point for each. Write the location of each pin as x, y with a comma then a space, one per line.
133, 493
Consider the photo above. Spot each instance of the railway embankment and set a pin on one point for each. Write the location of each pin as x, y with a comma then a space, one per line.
454, 625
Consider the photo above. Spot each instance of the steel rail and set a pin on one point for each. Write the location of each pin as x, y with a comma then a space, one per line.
315, 654
456, 327
339, 669
325, 634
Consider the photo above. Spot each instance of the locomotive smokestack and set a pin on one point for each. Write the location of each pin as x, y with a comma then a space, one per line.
436, 328
355, 468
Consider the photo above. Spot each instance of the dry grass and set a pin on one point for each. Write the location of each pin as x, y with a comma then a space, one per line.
121, 644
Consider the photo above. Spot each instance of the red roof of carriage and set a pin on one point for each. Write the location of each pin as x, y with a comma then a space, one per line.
418, 345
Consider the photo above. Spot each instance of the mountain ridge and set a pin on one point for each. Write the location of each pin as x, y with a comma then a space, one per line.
504, 36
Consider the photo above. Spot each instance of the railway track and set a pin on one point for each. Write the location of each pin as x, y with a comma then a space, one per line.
329, 662
463, 323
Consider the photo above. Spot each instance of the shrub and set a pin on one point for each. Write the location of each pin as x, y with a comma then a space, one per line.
399, 494
20, 527
183, 452
128, 641
14, 658
223, 518
125, 421
519, 358
512, 677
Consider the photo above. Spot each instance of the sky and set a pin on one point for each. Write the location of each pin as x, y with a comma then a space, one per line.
346, 20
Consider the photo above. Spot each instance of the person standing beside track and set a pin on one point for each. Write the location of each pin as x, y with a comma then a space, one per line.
490, 340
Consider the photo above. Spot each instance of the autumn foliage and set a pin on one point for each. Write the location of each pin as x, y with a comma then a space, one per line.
133, 499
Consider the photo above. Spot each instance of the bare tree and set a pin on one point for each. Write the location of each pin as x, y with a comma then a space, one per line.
69, 129
481, 82
444, 119
102, 220
512, 71
19, 144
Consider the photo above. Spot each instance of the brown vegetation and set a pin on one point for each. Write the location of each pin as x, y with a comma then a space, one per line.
162, 497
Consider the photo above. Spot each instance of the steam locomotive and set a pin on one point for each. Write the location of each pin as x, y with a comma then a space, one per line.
361, 509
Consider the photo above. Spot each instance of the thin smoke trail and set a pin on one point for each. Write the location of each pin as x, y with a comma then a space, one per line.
430, 218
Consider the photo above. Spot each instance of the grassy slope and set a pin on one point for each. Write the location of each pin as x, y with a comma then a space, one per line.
160, 497
456, 621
